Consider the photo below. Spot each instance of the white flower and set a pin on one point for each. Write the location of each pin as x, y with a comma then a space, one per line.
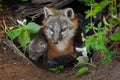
21, 22
24, 21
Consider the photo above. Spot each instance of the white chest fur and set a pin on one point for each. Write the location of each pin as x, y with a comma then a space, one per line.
62, 45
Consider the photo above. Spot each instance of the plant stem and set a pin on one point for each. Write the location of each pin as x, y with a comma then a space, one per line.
4, 25
91, 19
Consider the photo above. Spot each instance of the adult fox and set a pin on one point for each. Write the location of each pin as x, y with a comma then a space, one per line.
60, 27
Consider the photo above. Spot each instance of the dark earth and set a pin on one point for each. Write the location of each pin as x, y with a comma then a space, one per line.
15, 67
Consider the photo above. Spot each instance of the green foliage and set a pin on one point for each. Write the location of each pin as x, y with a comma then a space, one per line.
22, 33
81, 71
89, 27
112, 8
99, 39
24, 0
24, 39
108, 57
112, 22
82, 61
88, 2
97, 8
92, 26
115, 37
1, 7
12, 34
96, 41
57, 69
32, 27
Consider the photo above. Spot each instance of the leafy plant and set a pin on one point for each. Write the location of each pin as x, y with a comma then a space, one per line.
115, 37
99, 39
88, 2
108, 57
57, 69
81, 71
97, 7
24, 0
82, 61
22, 33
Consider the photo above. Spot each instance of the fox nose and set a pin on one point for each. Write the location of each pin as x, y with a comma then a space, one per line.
55, 41
56, 38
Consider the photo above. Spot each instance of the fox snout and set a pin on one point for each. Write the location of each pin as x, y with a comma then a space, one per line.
32, 55
55, 41
57, 38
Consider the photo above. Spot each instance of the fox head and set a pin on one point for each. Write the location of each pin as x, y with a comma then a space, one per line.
59, 24
37, 48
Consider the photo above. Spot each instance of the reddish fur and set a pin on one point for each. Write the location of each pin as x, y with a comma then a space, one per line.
53, 52
75, 22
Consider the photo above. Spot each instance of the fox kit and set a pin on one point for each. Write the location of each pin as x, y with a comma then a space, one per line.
59, 28
37, 46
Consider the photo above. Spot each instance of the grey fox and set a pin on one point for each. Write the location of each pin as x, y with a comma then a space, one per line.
59, 28
37, 46
56, 41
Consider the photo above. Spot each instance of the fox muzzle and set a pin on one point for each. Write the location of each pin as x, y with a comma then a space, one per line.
57, 39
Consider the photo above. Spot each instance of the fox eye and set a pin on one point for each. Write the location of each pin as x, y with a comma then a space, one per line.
64, 30
51, 31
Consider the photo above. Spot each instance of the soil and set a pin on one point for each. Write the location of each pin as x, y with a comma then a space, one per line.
15, 67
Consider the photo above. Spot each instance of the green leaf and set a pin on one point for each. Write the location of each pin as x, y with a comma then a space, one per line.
108, 57
99, 45
82, 60
24, 39
115, 37
14, 33
32, 27
99, 25
97, 8
87, 2
112, 9
82, 71
57, 69
23, 0
113, 22
89, 41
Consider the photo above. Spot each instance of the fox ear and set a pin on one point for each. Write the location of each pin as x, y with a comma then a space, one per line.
48, 12
69, 13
